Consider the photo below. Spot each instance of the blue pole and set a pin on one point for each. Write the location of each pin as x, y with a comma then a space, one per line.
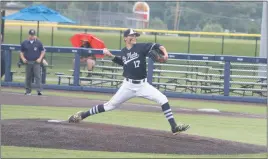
227, 78
76, 69
8, 65
150, 71
43, 74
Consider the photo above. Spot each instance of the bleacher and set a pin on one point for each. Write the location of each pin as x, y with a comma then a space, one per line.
104, 72
210, 79
180, 76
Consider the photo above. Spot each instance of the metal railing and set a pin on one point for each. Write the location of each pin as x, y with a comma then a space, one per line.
226, 81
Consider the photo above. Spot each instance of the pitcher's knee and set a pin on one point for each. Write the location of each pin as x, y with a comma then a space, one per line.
162, 99
108, 106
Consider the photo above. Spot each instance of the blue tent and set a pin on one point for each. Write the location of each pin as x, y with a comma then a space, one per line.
39, 13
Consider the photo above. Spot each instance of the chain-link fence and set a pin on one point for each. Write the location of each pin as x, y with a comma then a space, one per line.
104, 18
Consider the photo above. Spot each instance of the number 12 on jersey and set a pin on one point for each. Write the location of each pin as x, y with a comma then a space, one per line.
137, 63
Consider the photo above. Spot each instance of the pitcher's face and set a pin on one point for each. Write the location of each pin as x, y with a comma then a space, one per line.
131, 39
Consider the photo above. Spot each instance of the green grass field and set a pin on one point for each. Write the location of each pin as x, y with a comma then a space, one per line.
198, 45
29, 152
244, 130
234, 107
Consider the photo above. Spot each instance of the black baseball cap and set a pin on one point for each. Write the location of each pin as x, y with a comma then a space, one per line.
130, 32
31, 32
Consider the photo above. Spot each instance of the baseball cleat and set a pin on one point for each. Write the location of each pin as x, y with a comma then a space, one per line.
180, 128
76, 118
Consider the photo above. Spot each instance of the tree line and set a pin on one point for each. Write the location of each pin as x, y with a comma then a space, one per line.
244, 17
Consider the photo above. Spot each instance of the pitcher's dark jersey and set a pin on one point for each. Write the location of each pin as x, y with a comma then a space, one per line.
133, 60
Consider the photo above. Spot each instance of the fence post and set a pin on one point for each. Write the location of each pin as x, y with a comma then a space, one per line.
43, 74
150, 71
52, 43
76, 69
189, 41
52, 36
256, 46
21, 34
38, 29
120, 39
8, 65
2, 30
227, 67
222, 45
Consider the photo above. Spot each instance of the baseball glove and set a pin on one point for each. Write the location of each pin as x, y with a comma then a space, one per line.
156, 55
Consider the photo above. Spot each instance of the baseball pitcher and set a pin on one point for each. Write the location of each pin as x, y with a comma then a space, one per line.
135, 83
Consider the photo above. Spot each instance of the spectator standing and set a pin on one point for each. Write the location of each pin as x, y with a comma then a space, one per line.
32, 54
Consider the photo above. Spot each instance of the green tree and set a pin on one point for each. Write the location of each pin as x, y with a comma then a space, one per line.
213, 28
194, 14
157, 23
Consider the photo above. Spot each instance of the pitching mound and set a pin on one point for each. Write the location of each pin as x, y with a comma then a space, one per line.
104, 137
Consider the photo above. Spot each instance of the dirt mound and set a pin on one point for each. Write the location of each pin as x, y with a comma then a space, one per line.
104, 137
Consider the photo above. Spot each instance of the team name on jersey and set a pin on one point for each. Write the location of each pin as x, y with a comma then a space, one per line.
130, 56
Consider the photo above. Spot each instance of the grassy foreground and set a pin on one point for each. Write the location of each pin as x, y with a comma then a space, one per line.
195, 104
27, 152
235, 129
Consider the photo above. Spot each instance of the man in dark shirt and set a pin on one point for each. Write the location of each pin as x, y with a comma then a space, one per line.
135, 84
32, 54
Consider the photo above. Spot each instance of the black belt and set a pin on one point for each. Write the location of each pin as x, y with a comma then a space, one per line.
135, 81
